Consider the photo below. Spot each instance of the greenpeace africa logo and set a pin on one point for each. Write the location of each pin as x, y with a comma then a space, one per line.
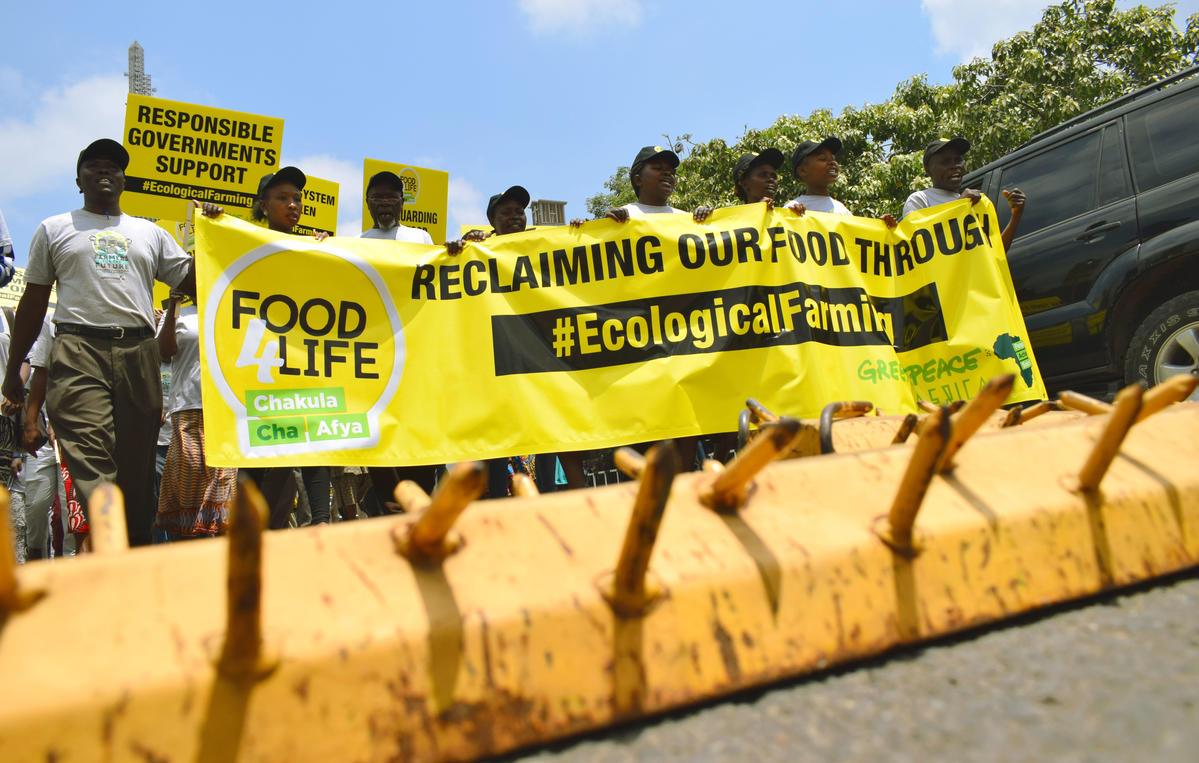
1008, 347
111, 251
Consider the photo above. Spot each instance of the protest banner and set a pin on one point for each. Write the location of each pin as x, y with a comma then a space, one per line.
10, 295
367, 352
182, 151
426, 196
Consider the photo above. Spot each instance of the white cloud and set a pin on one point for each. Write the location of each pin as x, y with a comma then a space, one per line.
579, 16
970, 28
38, 151
466, 206
349, 193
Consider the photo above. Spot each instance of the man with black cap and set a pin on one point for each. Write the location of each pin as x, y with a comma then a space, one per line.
815, 164
943, 161
756, 176
506, 211
104, 396
385, 201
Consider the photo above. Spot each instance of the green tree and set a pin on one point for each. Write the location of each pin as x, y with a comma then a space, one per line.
1080, 55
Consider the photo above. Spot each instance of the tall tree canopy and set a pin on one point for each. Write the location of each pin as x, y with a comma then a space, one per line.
1080, 55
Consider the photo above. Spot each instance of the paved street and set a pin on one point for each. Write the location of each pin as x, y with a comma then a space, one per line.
1115, 679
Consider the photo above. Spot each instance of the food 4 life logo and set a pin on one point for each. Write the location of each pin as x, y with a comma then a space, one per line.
304, 344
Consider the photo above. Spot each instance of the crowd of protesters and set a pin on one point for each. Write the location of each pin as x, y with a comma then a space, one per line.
108, 390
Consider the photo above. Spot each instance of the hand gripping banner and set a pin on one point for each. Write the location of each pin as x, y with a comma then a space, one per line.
365, 352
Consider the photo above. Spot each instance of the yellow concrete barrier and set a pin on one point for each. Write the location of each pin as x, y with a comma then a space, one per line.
561, 613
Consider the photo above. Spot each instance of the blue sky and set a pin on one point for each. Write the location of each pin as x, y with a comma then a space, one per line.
549, 94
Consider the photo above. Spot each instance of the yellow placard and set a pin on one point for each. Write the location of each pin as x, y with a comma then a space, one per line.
426, 196
182, 151
320, 206
355, 351
10, 294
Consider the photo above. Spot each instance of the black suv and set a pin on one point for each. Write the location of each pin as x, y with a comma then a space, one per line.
1106, 259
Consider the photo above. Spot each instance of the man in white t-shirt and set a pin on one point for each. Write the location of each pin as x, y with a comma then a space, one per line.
385, 201
945, 164
104, 395
815, 164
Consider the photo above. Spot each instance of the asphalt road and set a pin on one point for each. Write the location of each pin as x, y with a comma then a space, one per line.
1114, 679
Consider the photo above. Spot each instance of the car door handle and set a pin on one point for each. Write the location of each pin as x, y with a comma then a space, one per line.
1097, 230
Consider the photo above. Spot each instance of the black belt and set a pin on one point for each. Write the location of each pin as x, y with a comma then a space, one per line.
105, 332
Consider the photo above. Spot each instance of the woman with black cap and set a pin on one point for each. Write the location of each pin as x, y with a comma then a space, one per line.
280, 203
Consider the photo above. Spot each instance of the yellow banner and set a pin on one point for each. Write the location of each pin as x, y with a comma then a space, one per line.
10, 295
369, 352
181, 151
426, 196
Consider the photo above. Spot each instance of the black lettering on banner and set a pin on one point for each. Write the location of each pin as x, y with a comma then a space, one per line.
741, 318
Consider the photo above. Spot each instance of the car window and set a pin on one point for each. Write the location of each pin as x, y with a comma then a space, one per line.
1162, 140
1113, 168
1059, 183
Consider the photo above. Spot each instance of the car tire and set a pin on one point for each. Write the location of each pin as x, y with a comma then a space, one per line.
1166, 343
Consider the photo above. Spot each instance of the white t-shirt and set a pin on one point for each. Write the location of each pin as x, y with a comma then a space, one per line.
822, 204
929, 197
637, 209
400, 233
185, 372
105, 267
39, 355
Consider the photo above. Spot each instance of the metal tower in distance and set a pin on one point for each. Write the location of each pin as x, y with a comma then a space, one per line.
139, 81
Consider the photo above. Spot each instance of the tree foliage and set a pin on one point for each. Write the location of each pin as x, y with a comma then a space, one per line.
1080, 55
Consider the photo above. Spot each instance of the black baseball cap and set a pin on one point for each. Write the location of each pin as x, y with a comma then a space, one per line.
961, 144
286, 175
515, 192
652, 152
385, 177
809, 147
771, 156
106, 148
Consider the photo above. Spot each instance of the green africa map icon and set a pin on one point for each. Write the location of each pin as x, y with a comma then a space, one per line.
1010, 347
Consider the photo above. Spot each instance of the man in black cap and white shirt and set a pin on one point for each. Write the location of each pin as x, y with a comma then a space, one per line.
104, 394
943, 161
385, 201
756, 176
652, 175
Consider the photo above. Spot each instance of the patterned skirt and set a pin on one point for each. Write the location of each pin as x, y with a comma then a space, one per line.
195, 498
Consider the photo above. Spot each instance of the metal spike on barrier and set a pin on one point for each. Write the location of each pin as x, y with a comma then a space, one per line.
1172, 390
728, 488
1012, 418
906, 427
927, 407
1120, 420
629, 592
935, 433
106, 520
242, 657
1079, 402
973, 415
427, 538
839, 410
523, 486
1037, 409
760, 413
629, 462
13, 596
